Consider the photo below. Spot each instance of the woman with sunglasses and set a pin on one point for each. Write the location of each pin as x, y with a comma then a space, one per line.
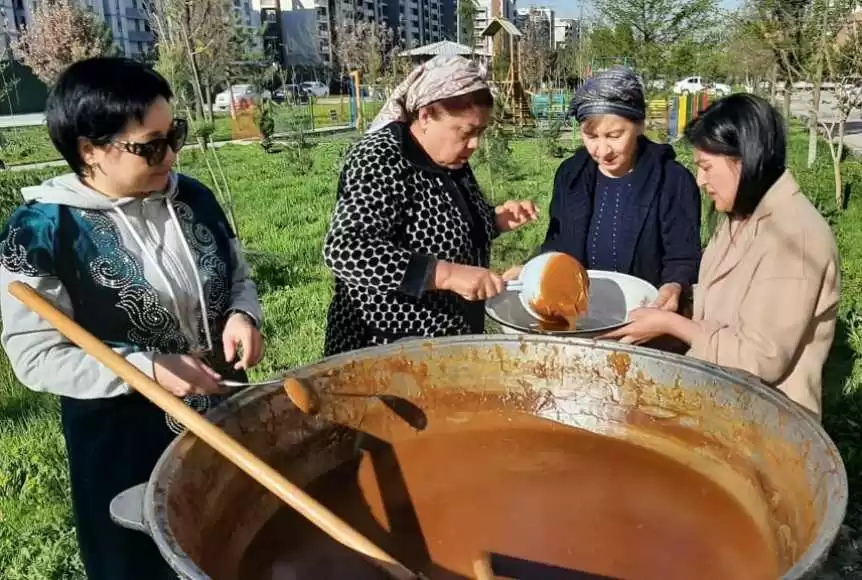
144, 259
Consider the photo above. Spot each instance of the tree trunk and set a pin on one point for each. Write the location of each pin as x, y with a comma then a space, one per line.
193, 61
209, 100
814, 117
836, 167
773, 84
788, 97
814, 114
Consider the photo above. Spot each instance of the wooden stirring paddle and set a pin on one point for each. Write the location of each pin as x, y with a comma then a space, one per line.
482, 567
265, 475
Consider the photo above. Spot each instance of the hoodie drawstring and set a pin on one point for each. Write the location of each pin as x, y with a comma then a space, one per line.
149, 255
200, 286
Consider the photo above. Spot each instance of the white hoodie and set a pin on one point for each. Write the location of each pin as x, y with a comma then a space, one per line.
152, 230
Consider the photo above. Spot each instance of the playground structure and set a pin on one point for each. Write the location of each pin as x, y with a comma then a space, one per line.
549, 107
514, 97
684, 108
665, 116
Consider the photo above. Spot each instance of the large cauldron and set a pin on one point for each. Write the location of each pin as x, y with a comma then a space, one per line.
202, 512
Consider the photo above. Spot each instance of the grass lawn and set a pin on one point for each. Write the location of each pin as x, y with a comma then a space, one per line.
283, 209
26, 145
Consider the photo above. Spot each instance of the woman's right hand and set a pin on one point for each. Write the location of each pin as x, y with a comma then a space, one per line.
469, 282
182, 374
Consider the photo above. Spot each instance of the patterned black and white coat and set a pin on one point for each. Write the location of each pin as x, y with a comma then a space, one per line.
396, 216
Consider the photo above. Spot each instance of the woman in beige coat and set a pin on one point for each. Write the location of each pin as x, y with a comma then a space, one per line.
768, 287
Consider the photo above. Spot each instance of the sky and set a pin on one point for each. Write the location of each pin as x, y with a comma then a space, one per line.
571, 8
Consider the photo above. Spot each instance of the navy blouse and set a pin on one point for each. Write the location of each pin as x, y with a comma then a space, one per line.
612, 194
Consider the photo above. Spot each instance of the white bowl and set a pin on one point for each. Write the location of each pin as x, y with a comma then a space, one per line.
612, 297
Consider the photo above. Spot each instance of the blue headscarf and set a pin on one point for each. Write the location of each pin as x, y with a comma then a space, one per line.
616, 91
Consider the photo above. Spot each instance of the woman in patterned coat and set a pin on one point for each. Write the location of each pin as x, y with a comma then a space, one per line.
411, 234
145, 260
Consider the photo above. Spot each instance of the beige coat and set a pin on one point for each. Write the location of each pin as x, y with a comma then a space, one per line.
767, 298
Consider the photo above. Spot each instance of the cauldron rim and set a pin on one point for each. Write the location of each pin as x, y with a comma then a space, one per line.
155, 519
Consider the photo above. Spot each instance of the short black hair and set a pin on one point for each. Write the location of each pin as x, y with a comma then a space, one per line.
95, 99
748, 128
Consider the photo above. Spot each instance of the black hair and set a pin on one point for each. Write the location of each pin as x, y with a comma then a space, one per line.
745, 127
95, 99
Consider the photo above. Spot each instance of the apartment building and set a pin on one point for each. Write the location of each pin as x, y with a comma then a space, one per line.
566, 31
304, 32
486, 11
128, 20
543, 23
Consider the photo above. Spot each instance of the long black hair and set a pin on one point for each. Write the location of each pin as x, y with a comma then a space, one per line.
745, 127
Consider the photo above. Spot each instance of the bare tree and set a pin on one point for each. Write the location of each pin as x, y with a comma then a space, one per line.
193, 41
364, 46
535, 47
61, 33
828, 17
785, 25
746, 56
843, 64
199, 42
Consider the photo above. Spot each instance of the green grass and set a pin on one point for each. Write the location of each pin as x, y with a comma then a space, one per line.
283, 209
26, 145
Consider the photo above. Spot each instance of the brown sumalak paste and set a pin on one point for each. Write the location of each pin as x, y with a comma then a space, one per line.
563, 293
522, 487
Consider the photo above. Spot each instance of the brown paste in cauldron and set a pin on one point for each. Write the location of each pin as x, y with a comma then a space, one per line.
550, 501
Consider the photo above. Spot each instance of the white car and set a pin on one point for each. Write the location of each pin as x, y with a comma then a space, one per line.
243, 97
689, 85
699, 85
315, 88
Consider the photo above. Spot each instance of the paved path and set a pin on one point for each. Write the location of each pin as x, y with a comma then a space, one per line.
800, 107
7, 121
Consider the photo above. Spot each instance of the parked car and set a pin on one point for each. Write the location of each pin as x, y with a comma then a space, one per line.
315, 88
289, 93
699, 85
243, 97
720, 89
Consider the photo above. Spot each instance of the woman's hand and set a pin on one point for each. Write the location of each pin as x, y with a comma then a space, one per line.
183, 374
514, 214
668, 297
646, 324
512, 273
469, 282
239, 332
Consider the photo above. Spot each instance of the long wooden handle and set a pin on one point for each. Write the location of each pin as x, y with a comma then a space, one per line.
292, 495
482, 567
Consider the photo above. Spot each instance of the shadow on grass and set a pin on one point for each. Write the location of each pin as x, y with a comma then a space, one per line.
842, 413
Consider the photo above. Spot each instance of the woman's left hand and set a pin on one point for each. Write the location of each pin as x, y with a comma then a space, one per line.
668, 297
239, 332
514, 214
646, 324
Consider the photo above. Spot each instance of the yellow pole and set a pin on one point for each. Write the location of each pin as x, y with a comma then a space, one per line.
356, 75
682, 114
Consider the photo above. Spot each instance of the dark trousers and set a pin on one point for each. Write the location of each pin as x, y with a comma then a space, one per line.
113, 444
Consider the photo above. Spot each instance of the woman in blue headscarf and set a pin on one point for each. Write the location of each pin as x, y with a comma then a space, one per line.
622, 202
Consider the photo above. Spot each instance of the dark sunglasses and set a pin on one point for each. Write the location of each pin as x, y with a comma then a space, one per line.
154, 151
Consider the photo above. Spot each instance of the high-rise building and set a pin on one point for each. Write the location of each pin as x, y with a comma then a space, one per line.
305, 32
486, 11
541, 20
566, 31
128, 20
